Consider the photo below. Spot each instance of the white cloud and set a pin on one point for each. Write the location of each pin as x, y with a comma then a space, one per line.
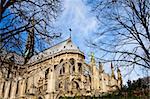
77, 16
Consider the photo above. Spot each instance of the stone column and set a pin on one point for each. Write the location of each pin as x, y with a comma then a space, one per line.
70, 84
103, 84
51, 81
93, 78
13, 90
30, 85
76, 67
83, 80
7, 87
22, 87
51, 84
1, 84
67, 69
97, 80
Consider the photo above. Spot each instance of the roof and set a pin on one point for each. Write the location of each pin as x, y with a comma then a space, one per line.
11, 56
62, 46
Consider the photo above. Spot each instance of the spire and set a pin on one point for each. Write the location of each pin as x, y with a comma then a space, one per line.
112, 71
92, 58
119, 78
92, 61
119, 74
70, 32
100, 67
30, 42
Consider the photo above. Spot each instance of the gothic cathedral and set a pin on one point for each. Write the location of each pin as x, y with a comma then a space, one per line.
57, 71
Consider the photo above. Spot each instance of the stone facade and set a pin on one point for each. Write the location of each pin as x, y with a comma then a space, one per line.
59, 71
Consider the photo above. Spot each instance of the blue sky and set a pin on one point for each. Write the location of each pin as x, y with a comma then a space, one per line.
77, 16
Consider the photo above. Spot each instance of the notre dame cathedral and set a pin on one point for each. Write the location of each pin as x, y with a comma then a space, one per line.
57, 71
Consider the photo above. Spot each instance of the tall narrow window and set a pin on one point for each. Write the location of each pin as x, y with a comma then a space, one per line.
80, 67
26, 82
90, 78
72, 62
60, 85
46, 73
73, 68
60, 71
17, 89
8, 74
3, 90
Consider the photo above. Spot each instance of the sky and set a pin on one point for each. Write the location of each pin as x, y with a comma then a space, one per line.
77, 16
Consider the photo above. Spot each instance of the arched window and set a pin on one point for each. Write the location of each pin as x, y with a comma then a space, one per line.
17, 89
80, 67
60, 72
60, 85
73, 68
72, 61
46, 73
63, 69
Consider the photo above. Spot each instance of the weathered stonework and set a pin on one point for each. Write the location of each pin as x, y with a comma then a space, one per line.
59, 71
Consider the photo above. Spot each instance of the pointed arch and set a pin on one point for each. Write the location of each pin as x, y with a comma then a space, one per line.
40, 97
75, 85
72, 61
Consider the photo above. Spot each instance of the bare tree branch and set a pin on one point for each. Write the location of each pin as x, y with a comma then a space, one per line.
124, 31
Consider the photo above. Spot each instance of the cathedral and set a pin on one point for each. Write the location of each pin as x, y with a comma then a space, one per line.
59, 71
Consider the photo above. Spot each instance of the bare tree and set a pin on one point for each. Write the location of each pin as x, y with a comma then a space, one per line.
16, 17
25, 28
124, 31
